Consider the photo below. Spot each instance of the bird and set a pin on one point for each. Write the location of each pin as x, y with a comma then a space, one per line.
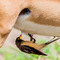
31, 47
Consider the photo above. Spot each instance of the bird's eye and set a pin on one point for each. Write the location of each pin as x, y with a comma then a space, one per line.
25, 11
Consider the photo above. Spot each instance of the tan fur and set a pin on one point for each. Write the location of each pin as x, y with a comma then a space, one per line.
8, 14
41, 13
45, 12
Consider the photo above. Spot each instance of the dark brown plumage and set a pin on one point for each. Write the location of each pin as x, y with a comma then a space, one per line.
31, 47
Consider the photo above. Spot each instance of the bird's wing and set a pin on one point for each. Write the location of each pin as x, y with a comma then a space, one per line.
31, 50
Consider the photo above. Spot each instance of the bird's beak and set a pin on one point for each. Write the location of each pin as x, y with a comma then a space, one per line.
20, 37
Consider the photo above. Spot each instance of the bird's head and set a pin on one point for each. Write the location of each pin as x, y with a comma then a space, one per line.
18, 40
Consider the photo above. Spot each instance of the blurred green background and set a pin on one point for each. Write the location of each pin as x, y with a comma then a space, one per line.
10, 52
52, 50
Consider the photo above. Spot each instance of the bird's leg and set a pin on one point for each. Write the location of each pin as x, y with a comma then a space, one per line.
53, 37
31, 38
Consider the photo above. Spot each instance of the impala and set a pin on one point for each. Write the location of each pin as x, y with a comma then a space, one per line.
32, 16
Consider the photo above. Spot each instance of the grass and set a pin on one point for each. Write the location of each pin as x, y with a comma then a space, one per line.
52, 50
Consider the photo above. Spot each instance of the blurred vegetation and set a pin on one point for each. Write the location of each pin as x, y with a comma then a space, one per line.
52, 50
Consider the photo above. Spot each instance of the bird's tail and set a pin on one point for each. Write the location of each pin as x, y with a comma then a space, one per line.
49, 42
